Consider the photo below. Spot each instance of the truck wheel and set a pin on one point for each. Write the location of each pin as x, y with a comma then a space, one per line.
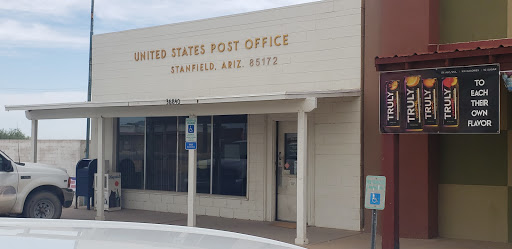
43, 205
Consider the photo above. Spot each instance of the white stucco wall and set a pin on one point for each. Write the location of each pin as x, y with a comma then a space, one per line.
323, 53
59, 153
337, 156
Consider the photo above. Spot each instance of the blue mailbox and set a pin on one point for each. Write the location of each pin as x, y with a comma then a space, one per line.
85, 170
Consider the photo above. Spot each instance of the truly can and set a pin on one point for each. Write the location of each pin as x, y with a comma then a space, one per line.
450, 108
413, 102
393, 103
429, 101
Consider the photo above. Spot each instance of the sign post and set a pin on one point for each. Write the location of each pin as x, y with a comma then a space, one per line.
191, 146
375, 198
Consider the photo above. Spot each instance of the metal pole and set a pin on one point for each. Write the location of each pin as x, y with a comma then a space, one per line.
89, 82
192, 172
374, 227
191, 202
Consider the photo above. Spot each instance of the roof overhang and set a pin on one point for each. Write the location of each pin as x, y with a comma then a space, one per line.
287, 102
455, 54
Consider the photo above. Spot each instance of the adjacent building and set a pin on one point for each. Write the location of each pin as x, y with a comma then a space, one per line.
450, 185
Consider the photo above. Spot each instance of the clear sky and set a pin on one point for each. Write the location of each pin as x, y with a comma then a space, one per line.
44, 47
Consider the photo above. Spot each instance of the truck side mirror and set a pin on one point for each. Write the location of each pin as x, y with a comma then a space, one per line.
8, 166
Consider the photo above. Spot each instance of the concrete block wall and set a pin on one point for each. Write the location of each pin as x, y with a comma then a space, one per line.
323, 53
248, 208
59, 153
175, 202
337, 152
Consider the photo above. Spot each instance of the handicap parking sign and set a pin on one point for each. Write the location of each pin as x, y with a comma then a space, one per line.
191, 134
374, 198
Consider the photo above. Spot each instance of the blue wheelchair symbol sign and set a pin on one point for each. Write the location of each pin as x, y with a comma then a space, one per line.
374, 199
190, 128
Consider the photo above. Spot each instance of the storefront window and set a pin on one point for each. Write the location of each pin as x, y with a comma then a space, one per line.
230, 155
167, 160
130, 153
161, 154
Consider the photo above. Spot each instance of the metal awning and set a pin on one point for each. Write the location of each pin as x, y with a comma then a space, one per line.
300, 103
454, 54
284, 102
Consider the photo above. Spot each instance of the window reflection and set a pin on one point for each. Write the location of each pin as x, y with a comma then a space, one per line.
161, 153
230, 155
130, 152
290, 152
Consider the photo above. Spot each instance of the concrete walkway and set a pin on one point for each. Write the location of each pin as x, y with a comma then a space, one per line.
320, 238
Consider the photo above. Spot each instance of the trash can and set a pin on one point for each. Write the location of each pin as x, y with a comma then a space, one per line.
85, 170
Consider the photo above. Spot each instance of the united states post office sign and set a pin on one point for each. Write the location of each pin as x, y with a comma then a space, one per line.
441, 100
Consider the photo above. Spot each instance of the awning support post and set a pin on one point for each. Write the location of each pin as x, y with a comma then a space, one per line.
302, 158
100, 208
390, 218
192, 170
34, 140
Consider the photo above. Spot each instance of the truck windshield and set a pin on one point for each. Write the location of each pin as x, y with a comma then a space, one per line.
3, 153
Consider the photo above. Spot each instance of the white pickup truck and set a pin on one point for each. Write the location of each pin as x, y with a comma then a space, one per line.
33, 190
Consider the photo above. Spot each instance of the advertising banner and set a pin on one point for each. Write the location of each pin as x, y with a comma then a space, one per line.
441, 100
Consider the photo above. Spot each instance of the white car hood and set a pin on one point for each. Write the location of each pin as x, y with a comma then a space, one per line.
83, 234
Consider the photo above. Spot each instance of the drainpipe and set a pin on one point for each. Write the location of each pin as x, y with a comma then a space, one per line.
362, 181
